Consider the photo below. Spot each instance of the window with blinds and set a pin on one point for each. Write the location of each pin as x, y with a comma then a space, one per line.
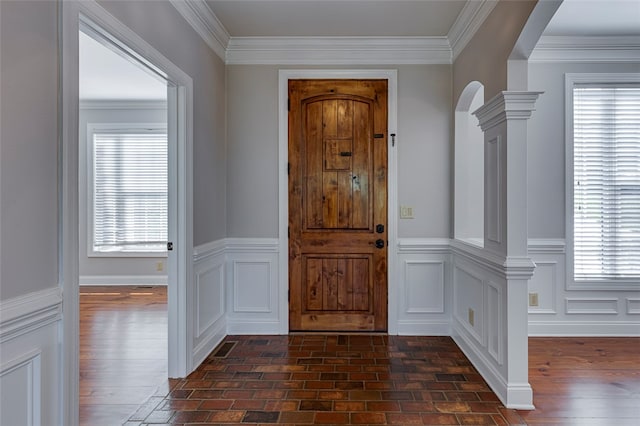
129, 191
606, 182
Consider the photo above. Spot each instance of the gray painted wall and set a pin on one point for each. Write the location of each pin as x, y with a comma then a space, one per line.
96, 266
29, 129
424, 135
28, 147
546, 144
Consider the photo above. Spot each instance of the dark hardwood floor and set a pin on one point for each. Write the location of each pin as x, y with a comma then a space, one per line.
123, 350
334, 379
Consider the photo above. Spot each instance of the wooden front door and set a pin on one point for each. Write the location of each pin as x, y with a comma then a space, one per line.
338, 205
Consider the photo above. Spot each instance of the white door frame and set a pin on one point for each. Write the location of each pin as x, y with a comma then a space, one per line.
180, 136
283, 181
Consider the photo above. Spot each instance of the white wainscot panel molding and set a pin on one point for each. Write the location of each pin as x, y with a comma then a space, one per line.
209, 314
209, 297
424, 281
493, 199
633, 306
30, 358
544, 282
424, 293
253, 284
495, 321
592, 306
469, 301
20, 382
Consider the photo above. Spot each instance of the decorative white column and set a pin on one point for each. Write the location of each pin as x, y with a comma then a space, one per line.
503, 120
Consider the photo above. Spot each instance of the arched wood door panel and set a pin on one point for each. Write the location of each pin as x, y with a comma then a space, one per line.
338, 205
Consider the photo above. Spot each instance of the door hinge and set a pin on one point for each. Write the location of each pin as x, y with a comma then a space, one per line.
288, 168
169, 246
289, 295
288, 104
289, 232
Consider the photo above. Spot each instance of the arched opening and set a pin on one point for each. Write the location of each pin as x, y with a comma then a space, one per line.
469, 167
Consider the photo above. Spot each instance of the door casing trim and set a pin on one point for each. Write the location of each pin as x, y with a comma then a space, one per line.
284, 75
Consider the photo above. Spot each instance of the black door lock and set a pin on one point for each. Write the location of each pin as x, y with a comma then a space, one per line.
380, 228
379, 244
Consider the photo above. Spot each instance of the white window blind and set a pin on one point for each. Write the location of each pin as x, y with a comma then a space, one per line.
130, 191
606, 182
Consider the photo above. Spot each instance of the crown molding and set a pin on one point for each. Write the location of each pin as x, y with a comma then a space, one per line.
468, 22
205, 23
620, 49
334, 50
338, 50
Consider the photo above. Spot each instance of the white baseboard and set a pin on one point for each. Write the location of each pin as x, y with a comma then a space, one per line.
248, 327
515, 396
424, 328
583, 329
121, 280
209, 343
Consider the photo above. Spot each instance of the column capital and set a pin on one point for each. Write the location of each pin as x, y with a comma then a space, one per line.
507, 105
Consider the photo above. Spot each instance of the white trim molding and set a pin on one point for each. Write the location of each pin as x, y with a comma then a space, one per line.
467, 24
29, 312
338, 50
609, 49
31, 357
121, 280
334, 50
205, 23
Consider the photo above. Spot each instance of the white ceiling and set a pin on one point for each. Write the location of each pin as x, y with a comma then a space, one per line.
596, 18
107, 76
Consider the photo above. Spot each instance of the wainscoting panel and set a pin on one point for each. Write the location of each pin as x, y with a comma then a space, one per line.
633, 306
425, 287
424, 297
253, 286
592, 306
21, 387
493, 199
564, 312
495, 327
210, 314
544, 285
30, 359
469, 295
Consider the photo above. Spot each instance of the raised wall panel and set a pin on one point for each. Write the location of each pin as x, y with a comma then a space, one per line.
30, 358
424, 283
633, 306
20, 386
251, 286
209, 312
592, 306
469, 295
495, 321
209, 297
544, 283
493, 212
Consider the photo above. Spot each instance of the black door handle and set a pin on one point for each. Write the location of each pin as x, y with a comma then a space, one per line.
379, 244
379, 228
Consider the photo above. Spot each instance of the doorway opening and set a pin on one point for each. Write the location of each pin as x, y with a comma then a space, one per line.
91, 17
123, 229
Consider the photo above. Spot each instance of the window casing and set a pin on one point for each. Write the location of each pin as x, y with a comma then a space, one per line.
603, 181
127, 190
